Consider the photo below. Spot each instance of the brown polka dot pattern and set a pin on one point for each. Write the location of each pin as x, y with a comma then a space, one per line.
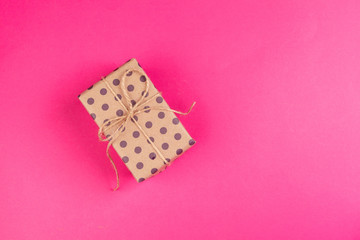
123, 144
177, 136
179, 151
119, 113
146, 107
136, 134
148, 124
163, 128
161, 115
135, 117
143, 92
118, 97
108, 122
152, 156
125, 159
105, 107
90, 101
116, 82
139, 165
159, 99
103, 91
130, 88
138, 150
152, 139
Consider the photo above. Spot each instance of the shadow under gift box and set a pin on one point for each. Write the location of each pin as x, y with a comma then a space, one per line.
162, 127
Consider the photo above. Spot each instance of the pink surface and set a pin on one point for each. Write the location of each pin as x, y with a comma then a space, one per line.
277, 120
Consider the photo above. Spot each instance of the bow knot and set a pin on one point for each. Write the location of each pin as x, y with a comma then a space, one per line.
132, 112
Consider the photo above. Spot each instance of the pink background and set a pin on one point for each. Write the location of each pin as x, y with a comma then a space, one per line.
277, 120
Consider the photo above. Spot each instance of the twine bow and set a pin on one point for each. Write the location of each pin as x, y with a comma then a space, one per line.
112, 129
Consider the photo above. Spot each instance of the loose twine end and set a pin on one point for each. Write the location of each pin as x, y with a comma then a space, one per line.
191, 107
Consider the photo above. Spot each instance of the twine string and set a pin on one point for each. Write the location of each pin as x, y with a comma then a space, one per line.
112, 129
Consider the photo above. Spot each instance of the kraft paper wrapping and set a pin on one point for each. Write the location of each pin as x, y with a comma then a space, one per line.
163, 127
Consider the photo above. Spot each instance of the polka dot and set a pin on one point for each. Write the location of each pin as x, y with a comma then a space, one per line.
142, 78
123, 144
103, 91
125, 159
130, 88
118, 97
148, 124
133, 102
146, 107
137, 150
90, 87
177, 136
129, 74
123, 129
119, 112
105, 107
152, 156
136, 134
93, 115
107, 123
79, 95
191, 142
165, 146
90, 101
161, 115
152, 139
175, 121
179, 151
154, 170
163, 130
134, 117
116, 82
139, 165
159, 99
167, 159
143, 92
141, 180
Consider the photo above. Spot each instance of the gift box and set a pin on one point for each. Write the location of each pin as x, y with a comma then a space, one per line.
136, 120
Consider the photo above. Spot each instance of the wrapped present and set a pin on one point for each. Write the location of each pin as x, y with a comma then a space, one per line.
136, 120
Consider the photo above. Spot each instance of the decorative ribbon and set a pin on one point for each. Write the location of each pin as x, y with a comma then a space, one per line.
117, 125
